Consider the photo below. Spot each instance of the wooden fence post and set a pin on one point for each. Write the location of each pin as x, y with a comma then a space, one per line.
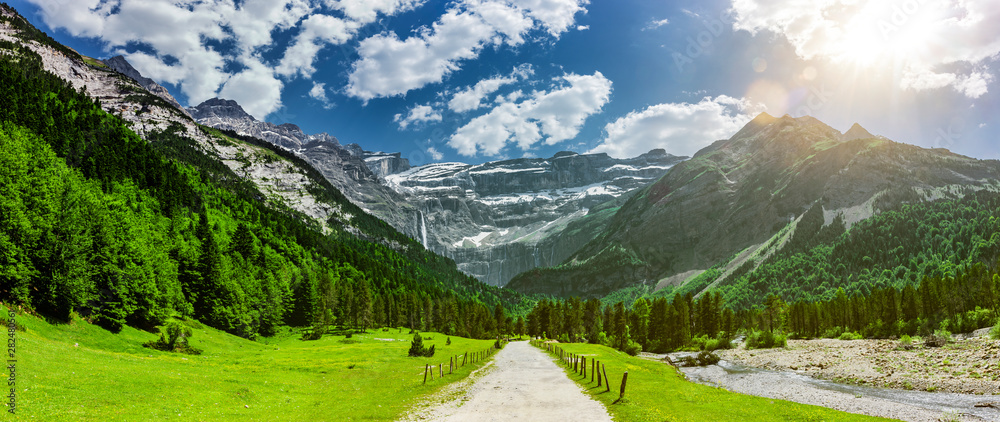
583, 366
425, 373
451, 365
592, 370
607, 384
598, 373
464, 357
441, 370
621, 394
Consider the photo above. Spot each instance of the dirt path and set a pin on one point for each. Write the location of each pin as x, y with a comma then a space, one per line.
521, 384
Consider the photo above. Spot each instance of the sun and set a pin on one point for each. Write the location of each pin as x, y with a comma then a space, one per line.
879, 33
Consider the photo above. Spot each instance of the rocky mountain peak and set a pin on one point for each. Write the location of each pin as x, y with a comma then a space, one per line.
120, 65
220, 108
856, 132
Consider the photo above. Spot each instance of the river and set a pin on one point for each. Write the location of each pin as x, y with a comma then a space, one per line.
897, 404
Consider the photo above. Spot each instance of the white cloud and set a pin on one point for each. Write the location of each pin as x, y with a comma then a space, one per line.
555, 115
418, 114
435, 154
582, 27
390, 66
256, 89
925, 40
679, 128
318, 93
317, 31
183, 36
656, 23
471, 98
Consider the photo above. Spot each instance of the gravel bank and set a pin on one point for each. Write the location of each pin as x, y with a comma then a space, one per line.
970, 366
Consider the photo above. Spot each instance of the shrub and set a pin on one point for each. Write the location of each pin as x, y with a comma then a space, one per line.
176, 340
707, 358
833, 332
766, 340
447, 342
847, 335
938, 339
633, 348
995, 331
417, 346
906, 342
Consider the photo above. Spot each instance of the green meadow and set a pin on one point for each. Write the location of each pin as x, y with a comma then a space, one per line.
656, 391
81, 372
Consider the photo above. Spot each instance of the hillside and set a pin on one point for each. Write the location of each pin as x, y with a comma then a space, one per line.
742, 197
131, 227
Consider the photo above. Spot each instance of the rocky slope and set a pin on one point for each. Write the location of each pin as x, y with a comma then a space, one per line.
499, 219
149, 109
737, 194
495, 220
355, 172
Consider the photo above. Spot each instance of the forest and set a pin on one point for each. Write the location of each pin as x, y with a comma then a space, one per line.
98, 222
920, 268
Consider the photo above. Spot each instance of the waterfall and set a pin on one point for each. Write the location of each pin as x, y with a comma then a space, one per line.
423, 229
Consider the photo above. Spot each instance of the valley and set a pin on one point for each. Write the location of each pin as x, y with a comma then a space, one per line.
164, 258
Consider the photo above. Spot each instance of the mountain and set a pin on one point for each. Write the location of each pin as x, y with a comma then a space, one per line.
355, 172
120, 65
495, 219
127, 212
729, 204
501, 218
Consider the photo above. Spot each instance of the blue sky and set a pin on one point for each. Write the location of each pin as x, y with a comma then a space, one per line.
479, 80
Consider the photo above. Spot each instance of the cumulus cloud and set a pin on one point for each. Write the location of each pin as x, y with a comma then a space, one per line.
212, 48
390, 66
418, 114
926, 40
679, 128
435, 154
471, 98
543, 116
318, 93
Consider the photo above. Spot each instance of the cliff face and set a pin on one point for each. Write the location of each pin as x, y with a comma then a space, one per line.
355, 172
739, 192
502, 218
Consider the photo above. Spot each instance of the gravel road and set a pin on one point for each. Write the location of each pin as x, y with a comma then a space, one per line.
521, 384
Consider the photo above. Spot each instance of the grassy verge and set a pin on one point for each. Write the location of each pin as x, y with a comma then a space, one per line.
81, 372
656, 391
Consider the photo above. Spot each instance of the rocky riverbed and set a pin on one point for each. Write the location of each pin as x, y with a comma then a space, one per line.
969, 366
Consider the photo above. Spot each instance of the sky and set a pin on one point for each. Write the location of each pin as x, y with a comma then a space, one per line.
483, 80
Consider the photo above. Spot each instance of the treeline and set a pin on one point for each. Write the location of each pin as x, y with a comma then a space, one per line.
912, 270
97, 221
896, 248
659, 325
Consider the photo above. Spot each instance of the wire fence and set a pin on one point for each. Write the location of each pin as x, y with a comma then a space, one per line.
579, 364
467, 358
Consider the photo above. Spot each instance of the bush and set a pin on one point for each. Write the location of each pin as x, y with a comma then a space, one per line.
447, 342
847, 335
176, 340
766, 340
938, 339
906, 342
706, 358
633, 348
417, 348
995, 331
833, 332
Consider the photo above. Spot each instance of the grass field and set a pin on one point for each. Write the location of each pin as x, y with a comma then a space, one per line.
655, 391
80, 372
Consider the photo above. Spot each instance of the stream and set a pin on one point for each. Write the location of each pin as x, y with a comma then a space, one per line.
899, 404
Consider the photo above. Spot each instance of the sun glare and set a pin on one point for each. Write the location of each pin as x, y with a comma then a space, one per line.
880, 33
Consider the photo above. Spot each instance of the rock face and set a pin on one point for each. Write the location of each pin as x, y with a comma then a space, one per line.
499, 219
495, 220
120, 65
739, 192
355, 172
